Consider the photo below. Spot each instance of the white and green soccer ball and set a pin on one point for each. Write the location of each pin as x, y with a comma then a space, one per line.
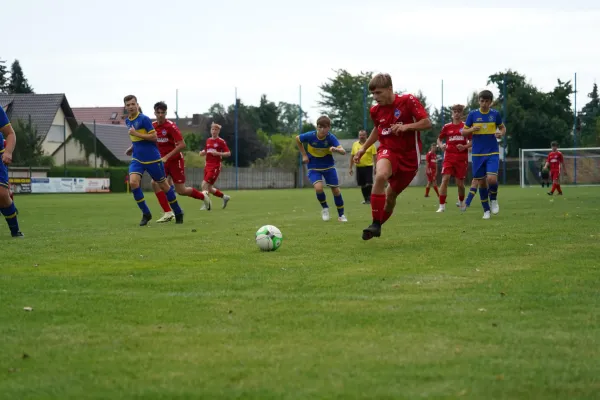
268, 238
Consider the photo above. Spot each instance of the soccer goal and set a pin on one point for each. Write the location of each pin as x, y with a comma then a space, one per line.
582, 166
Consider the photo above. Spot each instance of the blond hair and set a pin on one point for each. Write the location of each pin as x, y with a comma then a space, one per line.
216, 125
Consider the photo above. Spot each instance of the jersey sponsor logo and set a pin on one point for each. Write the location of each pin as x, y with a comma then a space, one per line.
454, 138
386, 131
491, 118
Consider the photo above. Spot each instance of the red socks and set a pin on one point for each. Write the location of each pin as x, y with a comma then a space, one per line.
162, 200
196, 194
426, 191
377, 205
443, 199
461, 198
553, 188
558, 187
436, 190
218, 193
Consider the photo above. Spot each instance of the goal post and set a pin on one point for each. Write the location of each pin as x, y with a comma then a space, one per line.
582, 166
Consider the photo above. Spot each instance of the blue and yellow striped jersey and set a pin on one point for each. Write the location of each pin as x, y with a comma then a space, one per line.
144, 151
4, 121
319, 155
484, 141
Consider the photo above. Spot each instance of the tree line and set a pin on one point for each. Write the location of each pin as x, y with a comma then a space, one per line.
533, 117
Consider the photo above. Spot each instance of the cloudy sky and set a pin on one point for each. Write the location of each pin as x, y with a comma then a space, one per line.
99, 52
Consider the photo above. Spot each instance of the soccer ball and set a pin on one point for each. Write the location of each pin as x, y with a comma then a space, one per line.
268, 238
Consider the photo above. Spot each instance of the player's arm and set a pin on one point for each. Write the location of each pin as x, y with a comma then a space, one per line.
501, 128
351, 161
300, 139
129, 151
337, 147
225, 153
11, 139
179, 142
468, 129
373, 137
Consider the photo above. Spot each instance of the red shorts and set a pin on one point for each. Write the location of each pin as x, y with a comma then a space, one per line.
432, 175
176, 170
211, 173
400, 178
554, 175
455, 168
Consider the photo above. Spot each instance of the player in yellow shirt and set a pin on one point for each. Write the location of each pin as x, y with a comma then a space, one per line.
364, 168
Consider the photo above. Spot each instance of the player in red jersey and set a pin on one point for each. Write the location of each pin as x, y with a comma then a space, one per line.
431, 171
456, 156
555, 161
170, 144
397, 122
216, 148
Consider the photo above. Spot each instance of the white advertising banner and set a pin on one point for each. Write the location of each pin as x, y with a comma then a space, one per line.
70, 185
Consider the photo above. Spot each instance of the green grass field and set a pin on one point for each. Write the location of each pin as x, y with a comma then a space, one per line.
442, 306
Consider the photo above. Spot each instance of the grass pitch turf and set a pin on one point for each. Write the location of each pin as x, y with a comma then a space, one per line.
442, 306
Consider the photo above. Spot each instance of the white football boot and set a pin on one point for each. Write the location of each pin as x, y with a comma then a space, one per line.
442, 208
343, 218
207, 201
325, 214
495, 207
167, 217
487, 215
226, 199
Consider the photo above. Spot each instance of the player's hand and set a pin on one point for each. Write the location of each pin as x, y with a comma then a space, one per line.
132, 131
443, 147
499, 134
398, 128
6, 157
359, 155
304, 159
351, 172
460, 147
129, 151
202, 153
475, 128
428, 171
333, 149
164, 159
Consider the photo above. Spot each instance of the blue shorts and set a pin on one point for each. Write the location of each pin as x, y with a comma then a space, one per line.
155, 170
328, 175
485, 165
3, 175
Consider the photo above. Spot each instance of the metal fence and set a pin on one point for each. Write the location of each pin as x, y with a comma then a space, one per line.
278, 178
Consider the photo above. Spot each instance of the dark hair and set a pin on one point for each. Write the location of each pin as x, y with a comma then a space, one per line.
486, 95
554, 143
161, 105
129, 97
324, 121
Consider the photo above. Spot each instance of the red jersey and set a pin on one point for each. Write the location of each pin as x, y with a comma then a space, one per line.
405, 109
453, 136
167, 134
431, 160
555, 159
215, 145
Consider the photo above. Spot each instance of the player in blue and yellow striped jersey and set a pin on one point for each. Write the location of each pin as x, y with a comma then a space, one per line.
321, 144
7, 207
146, 158
485, 124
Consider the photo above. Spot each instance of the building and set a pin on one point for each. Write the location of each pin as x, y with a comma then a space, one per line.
95, 145
50, 114
101, 115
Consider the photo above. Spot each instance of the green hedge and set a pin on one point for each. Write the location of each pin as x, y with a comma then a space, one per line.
116, 174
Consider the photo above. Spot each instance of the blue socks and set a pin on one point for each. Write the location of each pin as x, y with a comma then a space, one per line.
139, 198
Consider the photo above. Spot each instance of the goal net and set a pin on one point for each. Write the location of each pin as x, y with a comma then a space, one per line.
582, 166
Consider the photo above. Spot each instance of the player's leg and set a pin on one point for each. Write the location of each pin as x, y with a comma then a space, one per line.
331, 178
492, 167
157, 172
444, 189
316, 178
383, 172
472, 191
211, 178
164, 204
428, 185
136, 170
479, 173
397, 183
460, 184
434, 182
176, 173
7, 206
